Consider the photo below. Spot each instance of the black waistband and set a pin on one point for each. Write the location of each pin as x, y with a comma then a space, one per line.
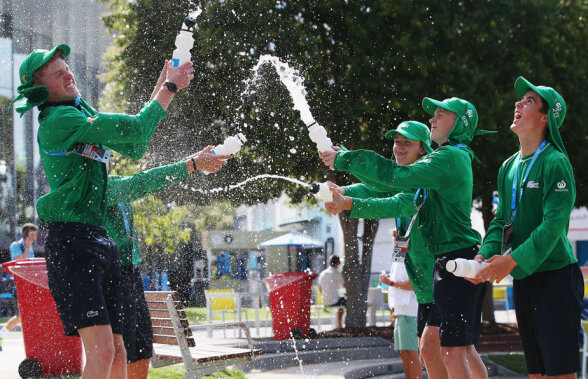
75, 227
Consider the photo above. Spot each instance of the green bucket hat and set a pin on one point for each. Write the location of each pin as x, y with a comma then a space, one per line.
464, 129
466, 123
413, 130
557, 108
36, 95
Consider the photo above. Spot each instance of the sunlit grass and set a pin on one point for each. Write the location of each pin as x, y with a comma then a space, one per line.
178, 371
172, 372
513, 361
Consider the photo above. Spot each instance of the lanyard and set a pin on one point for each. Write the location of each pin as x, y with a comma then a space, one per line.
125, 219
514, 205
77, 103
418, 208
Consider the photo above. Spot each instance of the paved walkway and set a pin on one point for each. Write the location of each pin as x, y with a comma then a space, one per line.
13, 354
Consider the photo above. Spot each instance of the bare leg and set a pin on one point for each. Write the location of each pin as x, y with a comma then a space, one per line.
456, 362
340, 318
477, 366
411, 363
430, 347
12, 322
99, 349
119, 363
138, 370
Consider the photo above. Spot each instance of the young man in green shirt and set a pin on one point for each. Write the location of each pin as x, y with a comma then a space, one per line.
120, 192
528, 237
411, 142
444, 220
74, 141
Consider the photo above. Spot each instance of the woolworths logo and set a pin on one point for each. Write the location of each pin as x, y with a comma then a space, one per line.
556, 110
562, 187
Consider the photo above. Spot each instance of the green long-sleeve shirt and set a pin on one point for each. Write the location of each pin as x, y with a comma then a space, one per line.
121, 191
446, 173
419, 262
78, 184
539, 241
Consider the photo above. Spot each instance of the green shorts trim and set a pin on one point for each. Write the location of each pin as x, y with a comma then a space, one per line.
405, 333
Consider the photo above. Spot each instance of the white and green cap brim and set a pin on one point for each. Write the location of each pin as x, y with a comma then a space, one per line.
413, 130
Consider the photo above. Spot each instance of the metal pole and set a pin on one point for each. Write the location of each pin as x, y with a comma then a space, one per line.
13, 167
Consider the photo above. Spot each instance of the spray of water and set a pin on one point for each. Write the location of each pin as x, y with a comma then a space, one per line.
291, 79
296, 352
241, 184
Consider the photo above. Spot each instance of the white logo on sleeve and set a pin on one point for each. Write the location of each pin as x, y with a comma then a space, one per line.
562, 186
532, 184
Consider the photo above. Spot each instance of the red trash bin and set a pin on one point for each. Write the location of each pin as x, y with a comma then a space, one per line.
44, 338
289, 295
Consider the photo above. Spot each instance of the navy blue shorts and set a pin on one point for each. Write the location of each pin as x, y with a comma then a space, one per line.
427, 315
548, 306
459, 303
137, 330
84, 276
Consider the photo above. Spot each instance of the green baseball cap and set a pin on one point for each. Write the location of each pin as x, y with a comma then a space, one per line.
464, 129
36, 95
413, 130
464, 109
557, 108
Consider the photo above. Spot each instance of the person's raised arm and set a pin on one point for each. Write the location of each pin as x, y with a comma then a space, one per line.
178, 76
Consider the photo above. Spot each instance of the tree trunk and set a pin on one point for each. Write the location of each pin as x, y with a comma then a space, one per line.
356, 271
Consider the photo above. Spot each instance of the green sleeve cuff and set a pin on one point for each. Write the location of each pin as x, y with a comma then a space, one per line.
181, 170
156, 109
339, 160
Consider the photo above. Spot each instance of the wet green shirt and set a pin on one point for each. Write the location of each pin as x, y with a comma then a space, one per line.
419, 262
446, 173
121, 191
78, 184
539, 241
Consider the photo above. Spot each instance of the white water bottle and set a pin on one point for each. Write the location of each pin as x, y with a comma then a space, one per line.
318, 135
184, 42
466, 268
321, 192
230, 146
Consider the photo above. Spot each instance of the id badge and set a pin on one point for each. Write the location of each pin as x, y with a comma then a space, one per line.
93, 152
506, 247
400, 249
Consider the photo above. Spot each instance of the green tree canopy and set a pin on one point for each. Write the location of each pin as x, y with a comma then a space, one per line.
367, 66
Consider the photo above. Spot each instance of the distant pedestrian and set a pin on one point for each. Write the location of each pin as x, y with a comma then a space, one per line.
21, 249
402, 299
330, 282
